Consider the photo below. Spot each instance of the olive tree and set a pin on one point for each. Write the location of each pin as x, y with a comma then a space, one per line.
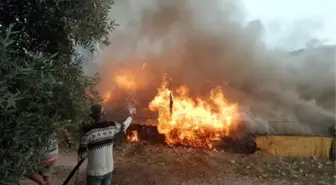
42, 84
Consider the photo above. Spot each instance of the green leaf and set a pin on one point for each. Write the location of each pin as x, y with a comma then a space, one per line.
42, 84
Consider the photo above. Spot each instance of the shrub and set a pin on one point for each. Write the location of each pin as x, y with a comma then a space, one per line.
42, 85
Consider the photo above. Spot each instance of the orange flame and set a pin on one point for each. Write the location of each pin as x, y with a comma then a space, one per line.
125, 82
193, 122
133, 136
107, 97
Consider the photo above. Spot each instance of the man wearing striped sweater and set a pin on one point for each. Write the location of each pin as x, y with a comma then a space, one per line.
96, 143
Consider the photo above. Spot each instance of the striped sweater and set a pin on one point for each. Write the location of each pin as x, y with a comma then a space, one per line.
96, 143
50, 153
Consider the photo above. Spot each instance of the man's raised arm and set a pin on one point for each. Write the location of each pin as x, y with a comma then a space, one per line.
129, 119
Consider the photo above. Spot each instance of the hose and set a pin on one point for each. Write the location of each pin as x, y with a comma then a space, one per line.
77, 173
73, 171
67, 135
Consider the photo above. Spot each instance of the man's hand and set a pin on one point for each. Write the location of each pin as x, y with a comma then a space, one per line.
132, 110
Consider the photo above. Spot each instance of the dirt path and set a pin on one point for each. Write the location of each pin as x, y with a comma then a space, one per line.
66, 162
151, 165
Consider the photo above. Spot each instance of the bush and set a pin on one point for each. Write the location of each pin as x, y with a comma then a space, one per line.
42, 85
27, 114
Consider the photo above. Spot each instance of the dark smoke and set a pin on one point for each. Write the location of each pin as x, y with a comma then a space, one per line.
202, 44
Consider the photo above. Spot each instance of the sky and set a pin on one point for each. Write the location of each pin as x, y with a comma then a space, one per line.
291, 23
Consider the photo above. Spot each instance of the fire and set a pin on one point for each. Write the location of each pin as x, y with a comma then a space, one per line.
126, 82
123, 81
197, 122
107, 96
133, 136
193, 122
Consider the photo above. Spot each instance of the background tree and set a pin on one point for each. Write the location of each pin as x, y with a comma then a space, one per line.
42, 84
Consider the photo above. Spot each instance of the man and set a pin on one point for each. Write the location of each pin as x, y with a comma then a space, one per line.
48, 157
96, 143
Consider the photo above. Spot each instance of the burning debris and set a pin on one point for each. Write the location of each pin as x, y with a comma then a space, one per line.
145, 133
132, 136
198, 123
183, 120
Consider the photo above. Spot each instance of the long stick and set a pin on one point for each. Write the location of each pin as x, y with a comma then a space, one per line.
73, 171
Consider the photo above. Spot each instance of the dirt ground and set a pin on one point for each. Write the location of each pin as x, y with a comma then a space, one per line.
141, 164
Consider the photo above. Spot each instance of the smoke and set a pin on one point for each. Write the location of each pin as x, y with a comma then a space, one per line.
204, 44
296, 34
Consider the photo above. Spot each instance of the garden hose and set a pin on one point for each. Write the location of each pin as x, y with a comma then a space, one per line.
73, 171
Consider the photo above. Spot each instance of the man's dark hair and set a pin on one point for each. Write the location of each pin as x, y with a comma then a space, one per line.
96, 111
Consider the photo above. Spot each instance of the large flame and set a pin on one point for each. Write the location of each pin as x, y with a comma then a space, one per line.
181, 119
193, 122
